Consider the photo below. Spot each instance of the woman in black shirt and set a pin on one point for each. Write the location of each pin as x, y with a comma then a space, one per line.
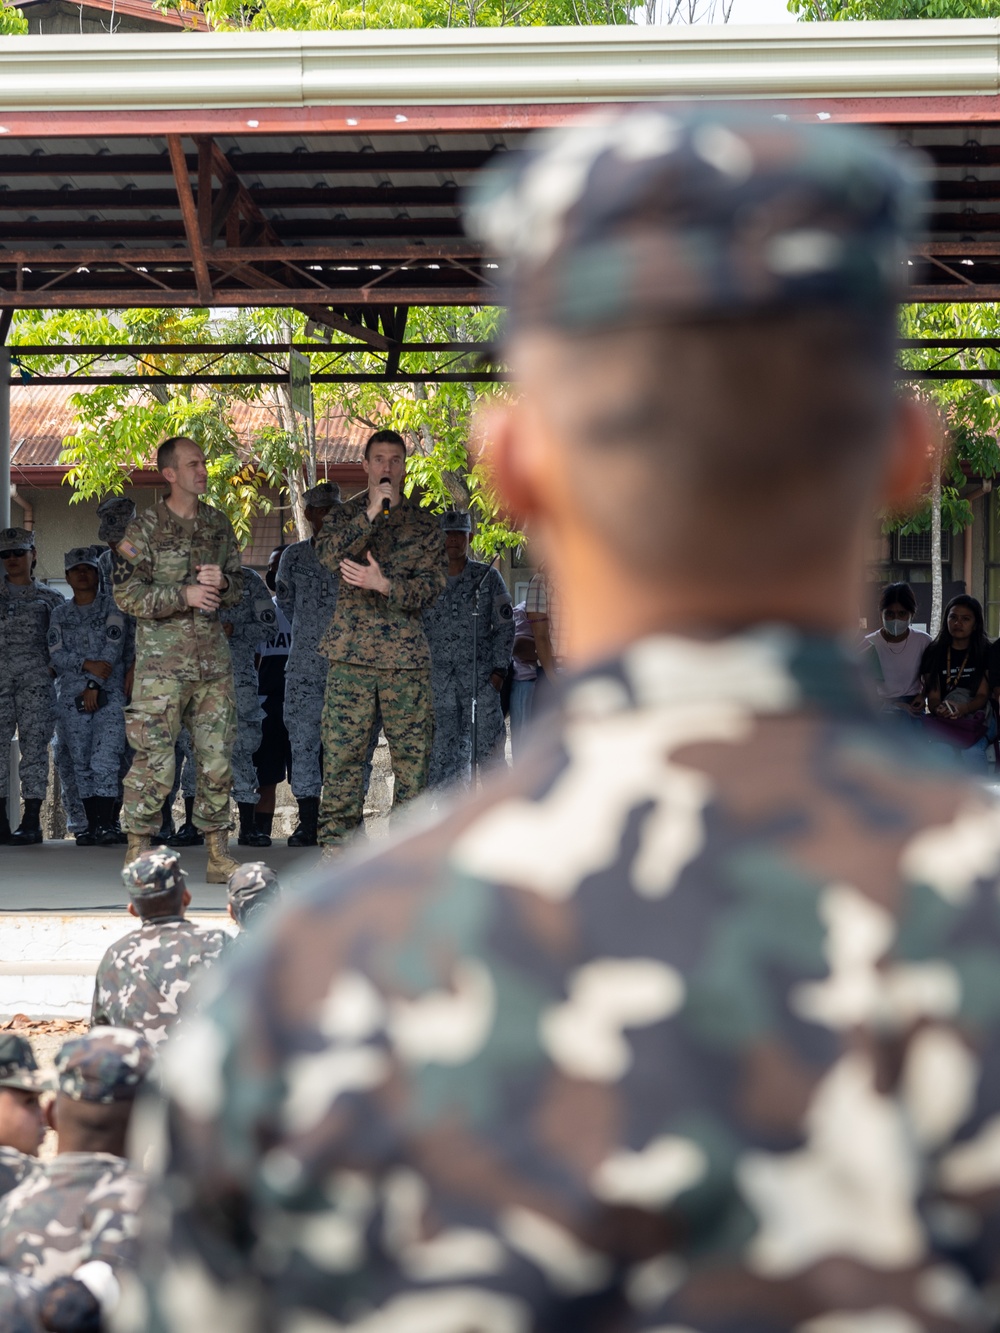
954, 672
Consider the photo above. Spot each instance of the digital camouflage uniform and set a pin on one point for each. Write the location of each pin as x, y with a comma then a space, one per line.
251, 888
95, 741
183, 669
27, 693
448, 626
143, 977
692, 1020
379, 656
306, 596
80, 1206
252, 618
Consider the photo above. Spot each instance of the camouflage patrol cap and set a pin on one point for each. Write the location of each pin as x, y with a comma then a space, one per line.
17, 539
104, 1065
322, 496
652, 212
249, 885
18, 1067
80, 555
153, 873
456, 520
116, 512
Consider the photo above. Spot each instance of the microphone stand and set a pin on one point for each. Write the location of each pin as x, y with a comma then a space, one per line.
474, 727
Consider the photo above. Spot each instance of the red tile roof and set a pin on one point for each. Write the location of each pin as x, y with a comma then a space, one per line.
41, 416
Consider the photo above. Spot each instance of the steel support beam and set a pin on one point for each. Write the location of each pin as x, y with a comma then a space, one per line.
353, 377
189, 213
247, 297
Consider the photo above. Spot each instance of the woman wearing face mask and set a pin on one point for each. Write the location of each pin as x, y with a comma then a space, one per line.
896, 651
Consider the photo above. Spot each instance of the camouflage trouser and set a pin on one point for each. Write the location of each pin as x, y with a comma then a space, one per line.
245, 788
353, 693
451, 755
153, 720
304, 693
27, 706
95, 742
76, 816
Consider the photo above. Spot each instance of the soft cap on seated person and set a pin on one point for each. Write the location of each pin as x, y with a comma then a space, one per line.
153, 873
104, 1065
658, 213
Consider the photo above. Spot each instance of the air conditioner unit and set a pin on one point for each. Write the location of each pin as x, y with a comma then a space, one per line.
914, 548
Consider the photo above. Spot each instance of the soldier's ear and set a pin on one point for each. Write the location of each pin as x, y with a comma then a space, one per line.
50, 1114
186, 898
131, 910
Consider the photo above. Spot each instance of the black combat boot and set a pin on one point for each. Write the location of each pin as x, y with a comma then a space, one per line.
265, 822
121, 837
187, 835
304, 834
166, 830
107, 835
87, 837
4, 821
249, 835
29, 831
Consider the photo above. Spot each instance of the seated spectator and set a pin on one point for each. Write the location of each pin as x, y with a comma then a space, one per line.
252, 887
143, 977
954, 674
22, 1121
82, 1206
896, 651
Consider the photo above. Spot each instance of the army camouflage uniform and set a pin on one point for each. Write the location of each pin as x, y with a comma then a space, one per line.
80, 1206
18, 1069
692, 1020
306, 593
251, 888
27, 692
252, 618
143, 977
448, 626
183, 670
379, 656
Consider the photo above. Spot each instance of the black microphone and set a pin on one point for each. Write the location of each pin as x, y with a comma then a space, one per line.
386, 502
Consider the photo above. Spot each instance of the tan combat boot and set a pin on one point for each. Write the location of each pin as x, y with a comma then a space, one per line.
137, 844
220, 864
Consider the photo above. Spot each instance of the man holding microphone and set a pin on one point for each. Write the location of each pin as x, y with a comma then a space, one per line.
176, 565
390, 556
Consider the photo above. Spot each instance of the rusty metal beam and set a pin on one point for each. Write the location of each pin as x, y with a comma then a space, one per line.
205, 174
320, 315
142, 297
250, 349
189, 213
327, 196
26, 165
206, 377
282, 231
953, 293
265, 254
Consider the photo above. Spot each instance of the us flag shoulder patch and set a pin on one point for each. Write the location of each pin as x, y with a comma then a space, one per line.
126, 548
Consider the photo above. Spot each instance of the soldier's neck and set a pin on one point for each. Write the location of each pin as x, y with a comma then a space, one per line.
184, 506
85, 597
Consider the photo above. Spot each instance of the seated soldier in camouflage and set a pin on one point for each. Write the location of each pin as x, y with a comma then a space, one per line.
82, 1206
252, 888
143, 977
22, 1120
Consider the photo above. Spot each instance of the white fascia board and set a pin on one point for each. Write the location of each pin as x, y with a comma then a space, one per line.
145, 71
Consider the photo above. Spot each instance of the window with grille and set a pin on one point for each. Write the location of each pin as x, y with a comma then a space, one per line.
914, 548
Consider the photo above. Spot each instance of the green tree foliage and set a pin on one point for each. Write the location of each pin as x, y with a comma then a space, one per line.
970, 409
118, 426
330, 15
822, 10
12, 21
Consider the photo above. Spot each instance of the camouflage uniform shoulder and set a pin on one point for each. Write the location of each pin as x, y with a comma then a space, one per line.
14, 1167
213, 518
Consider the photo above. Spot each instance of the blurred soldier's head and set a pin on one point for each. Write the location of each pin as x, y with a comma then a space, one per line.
22, 1121
252, 887
98, 1077
181, 463
116, 512
318, 501
702, 320
155, 883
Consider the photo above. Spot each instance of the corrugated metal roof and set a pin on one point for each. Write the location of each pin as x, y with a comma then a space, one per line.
41, 416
